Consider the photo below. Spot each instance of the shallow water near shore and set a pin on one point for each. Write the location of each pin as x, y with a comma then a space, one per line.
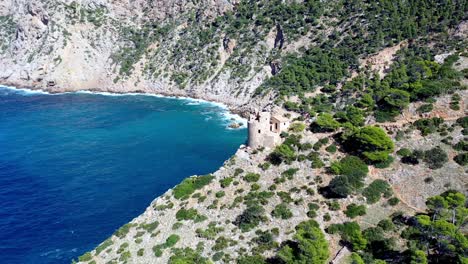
75, 167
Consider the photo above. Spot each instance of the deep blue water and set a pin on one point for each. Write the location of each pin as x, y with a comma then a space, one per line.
75, 167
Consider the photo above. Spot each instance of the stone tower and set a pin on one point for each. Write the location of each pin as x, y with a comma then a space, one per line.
264, 130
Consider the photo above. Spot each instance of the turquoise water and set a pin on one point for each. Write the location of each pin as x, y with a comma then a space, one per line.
75, 167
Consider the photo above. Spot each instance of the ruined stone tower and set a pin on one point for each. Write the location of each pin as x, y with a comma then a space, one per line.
264, 129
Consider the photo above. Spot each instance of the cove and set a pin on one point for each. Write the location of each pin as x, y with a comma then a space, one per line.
75, 167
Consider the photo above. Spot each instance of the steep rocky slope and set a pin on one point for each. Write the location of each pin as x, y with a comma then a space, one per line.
117, 45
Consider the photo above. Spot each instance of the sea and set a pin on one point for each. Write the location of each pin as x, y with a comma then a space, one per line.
74, 167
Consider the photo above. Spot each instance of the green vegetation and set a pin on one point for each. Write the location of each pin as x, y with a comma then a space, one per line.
282, 211
107, 243
123, 231
352, 171
85, 257
354, 210
370, 143
251, 177
190, 214
435, 158
308, 246
461, 159
350, 233
428, 125
297, 127
375, 190
282, 153
190, 185
226, 182
187, 256
250, 218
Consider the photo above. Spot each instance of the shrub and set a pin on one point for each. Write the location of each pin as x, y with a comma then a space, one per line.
384, 164
371, 143
428, 125
282, 153
220, 194
190, 185
352, 170
289, 173
404, 152
172, 240
187, 255
331, 148
85, 257
107, 243
374, 191
309, 245
282, 211
351, 233
297, 127
425, 108
190, 214
123, 231
435, 158
316, 162
393, 201
150, 227
184, 214
324, 123
461, 159
256, 259
250, 218
354, 210
226, 182
251, 177
386, 225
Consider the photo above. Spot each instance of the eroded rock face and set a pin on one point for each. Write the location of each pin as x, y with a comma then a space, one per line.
74, 44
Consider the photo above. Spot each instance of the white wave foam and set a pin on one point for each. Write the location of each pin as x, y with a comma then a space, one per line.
227, 116
24, 91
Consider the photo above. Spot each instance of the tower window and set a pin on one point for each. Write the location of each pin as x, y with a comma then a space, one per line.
259, 131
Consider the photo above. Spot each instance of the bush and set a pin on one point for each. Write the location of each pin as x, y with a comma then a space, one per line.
352, 170
428, 125
226, 182
187, 255
220, 194
351, 233
331, 148
393, 201
190, 185
316, 162
354, 210
435, 158
282, 211
256, 259
250, 218
404, 152
190, 214
251, 177
297, 127
425, 108
461, 159
289, 173
374, 191
85, 257
282, 153
371, 143
309, 245
324, 123
172, 240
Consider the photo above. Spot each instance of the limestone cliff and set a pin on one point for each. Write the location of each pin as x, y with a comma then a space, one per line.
122, 46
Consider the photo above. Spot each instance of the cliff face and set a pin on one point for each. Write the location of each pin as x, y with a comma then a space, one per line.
165, 47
